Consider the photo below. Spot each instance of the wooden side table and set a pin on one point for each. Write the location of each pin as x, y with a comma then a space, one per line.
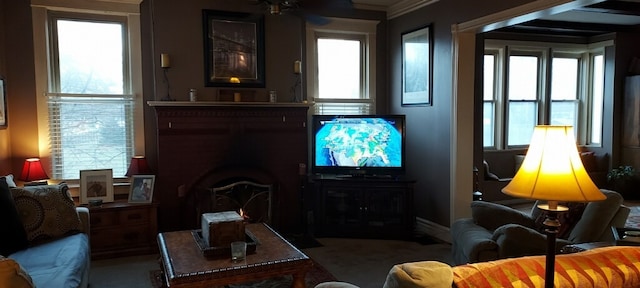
123, 229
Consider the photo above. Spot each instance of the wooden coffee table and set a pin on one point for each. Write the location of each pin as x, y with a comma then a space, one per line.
184, 265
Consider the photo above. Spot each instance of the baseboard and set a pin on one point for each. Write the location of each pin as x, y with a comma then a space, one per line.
424, 226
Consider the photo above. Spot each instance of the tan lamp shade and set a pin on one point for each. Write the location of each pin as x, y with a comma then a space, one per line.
552, 169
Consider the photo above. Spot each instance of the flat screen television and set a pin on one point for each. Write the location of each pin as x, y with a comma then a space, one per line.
358, 145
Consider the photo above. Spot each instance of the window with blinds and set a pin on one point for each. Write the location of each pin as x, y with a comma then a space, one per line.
341, 69
90, 109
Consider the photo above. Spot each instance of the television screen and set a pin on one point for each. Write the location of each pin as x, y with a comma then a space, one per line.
358, 144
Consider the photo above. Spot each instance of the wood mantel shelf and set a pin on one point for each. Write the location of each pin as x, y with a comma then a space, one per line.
225, 104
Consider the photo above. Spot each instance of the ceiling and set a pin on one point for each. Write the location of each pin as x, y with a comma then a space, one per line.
601, 18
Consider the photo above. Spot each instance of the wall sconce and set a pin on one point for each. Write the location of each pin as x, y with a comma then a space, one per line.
32, 171
165, 63
297, 71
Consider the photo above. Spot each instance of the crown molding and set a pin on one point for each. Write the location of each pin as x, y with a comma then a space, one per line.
406, 6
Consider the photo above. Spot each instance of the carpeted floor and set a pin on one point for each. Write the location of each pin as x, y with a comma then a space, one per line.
316, 275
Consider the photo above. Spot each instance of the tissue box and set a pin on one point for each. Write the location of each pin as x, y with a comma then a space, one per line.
221, 228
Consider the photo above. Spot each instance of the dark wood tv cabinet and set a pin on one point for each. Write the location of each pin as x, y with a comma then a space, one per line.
363, 207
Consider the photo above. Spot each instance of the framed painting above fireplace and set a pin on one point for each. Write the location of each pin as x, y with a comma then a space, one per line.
233, 49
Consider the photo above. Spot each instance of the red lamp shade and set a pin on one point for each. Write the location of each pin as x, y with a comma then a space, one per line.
138, 166
32, 170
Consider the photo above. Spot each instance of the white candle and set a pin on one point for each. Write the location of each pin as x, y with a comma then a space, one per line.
165, 62
297, 66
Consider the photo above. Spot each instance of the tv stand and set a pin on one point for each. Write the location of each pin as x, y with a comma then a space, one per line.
379, 206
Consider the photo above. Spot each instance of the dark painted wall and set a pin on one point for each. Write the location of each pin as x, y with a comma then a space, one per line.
429, 128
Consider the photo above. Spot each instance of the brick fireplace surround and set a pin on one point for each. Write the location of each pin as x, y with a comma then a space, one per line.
202, 145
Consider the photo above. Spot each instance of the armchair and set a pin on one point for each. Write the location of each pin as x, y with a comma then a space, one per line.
496, 231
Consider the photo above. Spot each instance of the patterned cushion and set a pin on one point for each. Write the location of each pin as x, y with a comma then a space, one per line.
13, 238
12, 275
615, 266
47, 212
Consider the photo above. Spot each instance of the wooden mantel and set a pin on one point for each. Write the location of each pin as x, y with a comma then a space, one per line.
200, 143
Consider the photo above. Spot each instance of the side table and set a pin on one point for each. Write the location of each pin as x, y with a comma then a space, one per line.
123, 229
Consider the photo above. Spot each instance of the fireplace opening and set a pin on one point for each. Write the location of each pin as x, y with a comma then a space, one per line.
252, 200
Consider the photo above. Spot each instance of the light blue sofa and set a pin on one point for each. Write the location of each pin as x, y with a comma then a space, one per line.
61, 263
56, 252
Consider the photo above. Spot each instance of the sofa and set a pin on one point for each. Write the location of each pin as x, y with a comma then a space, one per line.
496, 231
46, 242
613, 266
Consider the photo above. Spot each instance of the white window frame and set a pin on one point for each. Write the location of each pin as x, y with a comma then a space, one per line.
130, 9
351, 29
504, 48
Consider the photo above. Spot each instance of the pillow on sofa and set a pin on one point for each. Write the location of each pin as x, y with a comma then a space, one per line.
14, 238
12, 275
10, 182
432, 274
47, 212
589, 161
614, 266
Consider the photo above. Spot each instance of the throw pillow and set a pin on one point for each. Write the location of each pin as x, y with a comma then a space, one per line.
568, 220
10, 182
12, 275
14, 238
47, 212
432, 274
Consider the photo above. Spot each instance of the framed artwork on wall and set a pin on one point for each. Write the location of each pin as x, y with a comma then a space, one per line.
233, 49
141, 190
3, 104
96, 185
416, 67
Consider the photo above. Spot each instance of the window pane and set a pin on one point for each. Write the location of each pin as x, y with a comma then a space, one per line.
522, 120
92, 134
488, 124
523, 78
597, 99
488, 77
339, 68
90, 57
564, 79
564, 113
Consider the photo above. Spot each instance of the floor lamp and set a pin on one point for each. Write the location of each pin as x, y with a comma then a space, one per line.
552, 171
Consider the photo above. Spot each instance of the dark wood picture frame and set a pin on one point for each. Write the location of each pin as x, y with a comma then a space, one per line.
233, 47
417, 67
3, 104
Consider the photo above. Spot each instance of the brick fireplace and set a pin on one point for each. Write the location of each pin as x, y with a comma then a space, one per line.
202, 145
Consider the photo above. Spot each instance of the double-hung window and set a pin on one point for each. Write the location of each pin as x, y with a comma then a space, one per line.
529, 84
342, 66
89, 90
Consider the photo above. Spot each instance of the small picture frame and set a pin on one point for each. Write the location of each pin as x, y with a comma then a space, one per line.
96, 185
141, 190
3, 104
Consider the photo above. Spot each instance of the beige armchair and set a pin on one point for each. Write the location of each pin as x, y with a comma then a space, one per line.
496, 231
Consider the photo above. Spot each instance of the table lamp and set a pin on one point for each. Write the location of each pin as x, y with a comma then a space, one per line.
138, 166
32, 172
552, 170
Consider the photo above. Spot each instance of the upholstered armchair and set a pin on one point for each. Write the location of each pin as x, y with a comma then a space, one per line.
496, 231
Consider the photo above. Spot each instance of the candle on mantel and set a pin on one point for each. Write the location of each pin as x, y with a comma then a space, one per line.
297, 66
165, 62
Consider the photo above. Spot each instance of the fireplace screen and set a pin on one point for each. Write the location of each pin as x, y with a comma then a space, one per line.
251, 200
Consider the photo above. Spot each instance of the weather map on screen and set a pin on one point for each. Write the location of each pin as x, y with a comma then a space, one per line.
358, 142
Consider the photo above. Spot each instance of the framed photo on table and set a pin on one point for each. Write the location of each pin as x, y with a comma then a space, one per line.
141, 190
416, 67
233, 49
96, 185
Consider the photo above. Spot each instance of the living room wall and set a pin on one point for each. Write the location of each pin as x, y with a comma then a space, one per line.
4, 134
429, 128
